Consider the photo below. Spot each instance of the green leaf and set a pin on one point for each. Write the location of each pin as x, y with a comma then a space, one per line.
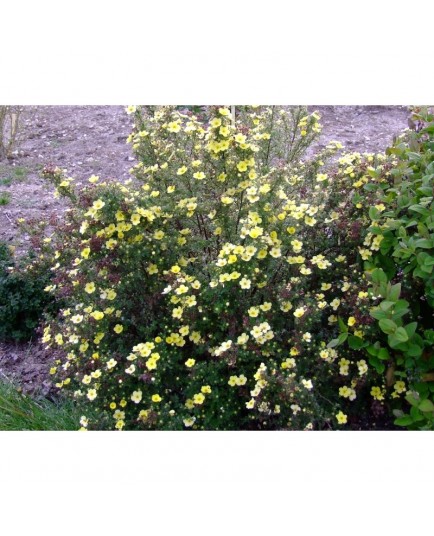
426, 406
378, 365
373, 349
342, 326
404, 421
419, 209
394, 292
416, 414
412, 400
377, 314
387, 326
423, 243
374, 213
386, 305
337, 342
414, 350
383, 354
401, 335
401, 305
378, 276
355, 343
411, 329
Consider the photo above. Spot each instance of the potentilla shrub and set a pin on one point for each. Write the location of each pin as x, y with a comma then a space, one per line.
203, 292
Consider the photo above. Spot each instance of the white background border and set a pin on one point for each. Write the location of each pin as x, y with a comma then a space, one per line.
334, 52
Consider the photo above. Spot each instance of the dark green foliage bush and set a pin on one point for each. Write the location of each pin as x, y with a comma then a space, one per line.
22, 295
406, 314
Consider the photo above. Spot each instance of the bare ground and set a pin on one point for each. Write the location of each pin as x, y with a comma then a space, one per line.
91, 140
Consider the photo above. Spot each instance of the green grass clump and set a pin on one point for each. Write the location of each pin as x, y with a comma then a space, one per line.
5, 197
19, 412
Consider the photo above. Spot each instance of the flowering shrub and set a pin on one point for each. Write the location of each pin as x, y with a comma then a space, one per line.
216, 288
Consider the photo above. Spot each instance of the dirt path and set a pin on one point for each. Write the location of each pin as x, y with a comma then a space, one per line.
90, 140
85, 140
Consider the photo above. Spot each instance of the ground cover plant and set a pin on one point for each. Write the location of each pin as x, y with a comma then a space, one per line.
19, 412
231, 285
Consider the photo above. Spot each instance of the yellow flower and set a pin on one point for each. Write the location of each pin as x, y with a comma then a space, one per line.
98, 204
351, 321
199, 175
118, 328
89, 288
335, 303
224, 111
296, 245
97, 315
135, 219
190, 362
377, 393
174, 126
205, 389
253, 312
399, 387
181, 170
158, 235
111, 294
321, 177
216, 122
188, 422
143, 414
299, 312
245, 283
242, 166
156, 398
255, 232
250, 404
341, 418
85, 253
232, 381
59, 339
136, 397
91, 394
198, 399
119, 424
111, 364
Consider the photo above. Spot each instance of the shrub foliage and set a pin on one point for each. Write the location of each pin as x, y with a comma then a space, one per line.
231, 282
